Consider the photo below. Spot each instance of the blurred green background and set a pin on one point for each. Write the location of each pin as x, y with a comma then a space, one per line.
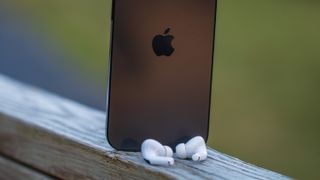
266, 73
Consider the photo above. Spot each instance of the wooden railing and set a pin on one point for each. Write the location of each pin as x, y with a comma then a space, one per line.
44, 136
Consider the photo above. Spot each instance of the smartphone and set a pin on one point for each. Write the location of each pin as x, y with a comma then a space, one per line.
160, 71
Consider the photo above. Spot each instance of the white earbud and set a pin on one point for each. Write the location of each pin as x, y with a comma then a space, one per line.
157, 154
195, 148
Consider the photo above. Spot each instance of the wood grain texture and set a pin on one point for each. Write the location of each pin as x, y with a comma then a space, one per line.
15, 171
67, 140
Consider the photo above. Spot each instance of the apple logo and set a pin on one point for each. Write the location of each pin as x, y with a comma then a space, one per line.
162, 44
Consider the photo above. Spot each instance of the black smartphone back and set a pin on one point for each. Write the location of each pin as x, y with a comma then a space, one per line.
160, 71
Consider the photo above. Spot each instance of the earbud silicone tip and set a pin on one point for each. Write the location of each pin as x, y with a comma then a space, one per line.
181, 151
169, 152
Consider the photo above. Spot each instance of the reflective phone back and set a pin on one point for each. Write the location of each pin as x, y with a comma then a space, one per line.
160, 71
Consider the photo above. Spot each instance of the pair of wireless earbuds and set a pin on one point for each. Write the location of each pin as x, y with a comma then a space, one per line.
157, 154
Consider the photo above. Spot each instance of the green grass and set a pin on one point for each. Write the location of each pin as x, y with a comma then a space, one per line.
266, 74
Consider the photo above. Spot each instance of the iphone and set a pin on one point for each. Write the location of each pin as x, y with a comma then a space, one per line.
160, 71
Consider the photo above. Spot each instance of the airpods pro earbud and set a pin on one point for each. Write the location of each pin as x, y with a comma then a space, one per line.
157, 154
195, 148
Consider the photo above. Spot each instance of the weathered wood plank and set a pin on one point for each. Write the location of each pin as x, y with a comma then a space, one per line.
12, 170
67, 140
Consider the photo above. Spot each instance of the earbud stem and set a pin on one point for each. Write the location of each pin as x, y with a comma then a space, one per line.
200, 156
163, 161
